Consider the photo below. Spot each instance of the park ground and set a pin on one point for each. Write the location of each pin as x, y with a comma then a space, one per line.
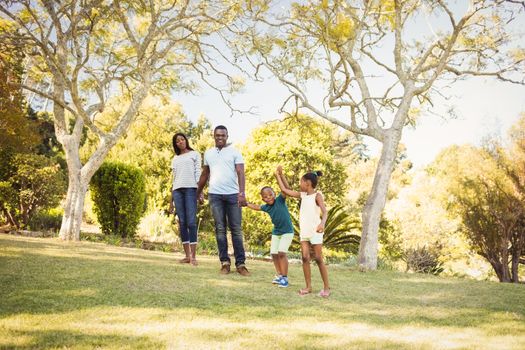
83, 295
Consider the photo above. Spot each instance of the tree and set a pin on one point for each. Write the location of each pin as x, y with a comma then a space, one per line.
37, 183
15, 128
488, 202
516, 170
345, 45
84, 52
491, 217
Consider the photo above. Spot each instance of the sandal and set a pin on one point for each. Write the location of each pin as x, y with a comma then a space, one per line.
304, 291
324, 293
194, 262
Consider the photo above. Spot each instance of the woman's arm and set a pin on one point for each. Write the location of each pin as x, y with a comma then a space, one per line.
205, 175
197, 166
283, 188
320, 202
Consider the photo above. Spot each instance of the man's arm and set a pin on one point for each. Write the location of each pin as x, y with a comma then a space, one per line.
241, 198
205, 175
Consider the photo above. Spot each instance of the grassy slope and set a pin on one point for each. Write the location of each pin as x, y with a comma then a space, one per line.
87, 295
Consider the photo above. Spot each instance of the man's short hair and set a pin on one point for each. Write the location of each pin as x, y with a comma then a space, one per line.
220, 127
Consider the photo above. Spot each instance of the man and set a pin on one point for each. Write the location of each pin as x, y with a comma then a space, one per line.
224, 168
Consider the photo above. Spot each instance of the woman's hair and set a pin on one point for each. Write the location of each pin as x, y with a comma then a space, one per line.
175, 148
312, 177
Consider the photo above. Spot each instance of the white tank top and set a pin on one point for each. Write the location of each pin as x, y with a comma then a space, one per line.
309, 215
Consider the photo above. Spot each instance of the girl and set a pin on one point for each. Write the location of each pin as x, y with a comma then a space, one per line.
311, 226
186, 166
282, 233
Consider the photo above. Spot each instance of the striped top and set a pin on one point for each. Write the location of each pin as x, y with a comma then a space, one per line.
186, 170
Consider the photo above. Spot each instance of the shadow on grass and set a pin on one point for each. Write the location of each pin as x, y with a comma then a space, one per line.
65, 340
41, 281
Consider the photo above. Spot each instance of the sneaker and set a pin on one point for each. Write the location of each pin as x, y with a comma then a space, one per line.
276, 279
241, 269
283, 283
225, 269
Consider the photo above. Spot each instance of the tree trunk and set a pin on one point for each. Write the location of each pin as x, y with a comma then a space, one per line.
11, 220
376, 201
501, 269
515, 267
76, 191
72, 220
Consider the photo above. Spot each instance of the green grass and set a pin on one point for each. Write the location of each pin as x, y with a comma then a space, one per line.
93, 296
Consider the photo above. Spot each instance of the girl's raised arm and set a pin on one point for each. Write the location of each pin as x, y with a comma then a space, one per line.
284, 189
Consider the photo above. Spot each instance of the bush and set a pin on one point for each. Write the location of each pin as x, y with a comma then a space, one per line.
338, 233
37, 183
158, 227
424, 260
118, 193
88, 215
49, 220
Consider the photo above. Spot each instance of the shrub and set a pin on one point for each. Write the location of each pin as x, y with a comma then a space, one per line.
158, 227
118, 193
338, 233
424, 260
36, 183
49, 220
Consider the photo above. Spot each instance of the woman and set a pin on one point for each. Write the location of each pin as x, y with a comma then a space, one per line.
186, 167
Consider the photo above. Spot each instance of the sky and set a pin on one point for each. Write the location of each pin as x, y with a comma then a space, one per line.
482, 106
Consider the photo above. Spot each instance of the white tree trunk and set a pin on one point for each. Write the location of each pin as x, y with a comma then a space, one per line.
72, 220
76, 191
375, 202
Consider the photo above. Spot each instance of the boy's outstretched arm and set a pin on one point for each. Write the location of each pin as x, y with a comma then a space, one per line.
284, 189
253, 206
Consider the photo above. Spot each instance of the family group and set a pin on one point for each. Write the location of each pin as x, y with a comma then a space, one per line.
223, 171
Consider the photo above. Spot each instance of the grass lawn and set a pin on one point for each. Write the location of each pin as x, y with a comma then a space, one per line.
89, 295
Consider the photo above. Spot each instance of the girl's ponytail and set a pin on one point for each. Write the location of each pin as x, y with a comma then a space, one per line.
312, 177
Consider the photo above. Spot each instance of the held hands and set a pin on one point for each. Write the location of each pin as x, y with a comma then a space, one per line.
279, 170
170, 210
320, 228
201, 198
241, 200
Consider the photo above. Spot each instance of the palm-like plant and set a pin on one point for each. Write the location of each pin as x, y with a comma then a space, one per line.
337, 232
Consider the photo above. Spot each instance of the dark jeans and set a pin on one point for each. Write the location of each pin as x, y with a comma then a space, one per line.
226, 211
185, 200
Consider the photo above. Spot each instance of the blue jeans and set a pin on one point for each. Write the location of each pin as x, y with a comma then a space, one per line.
226, 211
185, 200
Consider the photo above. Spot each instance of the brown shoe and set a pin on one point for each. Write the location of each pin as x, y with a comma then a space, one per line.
225, 269
243, 270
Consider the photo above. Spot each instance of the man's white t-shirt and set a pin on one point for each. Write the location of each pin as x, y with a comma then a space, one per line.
223, 177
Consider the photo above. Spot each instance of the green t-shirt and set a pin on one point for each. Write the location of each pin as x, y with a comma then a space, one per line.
278, 211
